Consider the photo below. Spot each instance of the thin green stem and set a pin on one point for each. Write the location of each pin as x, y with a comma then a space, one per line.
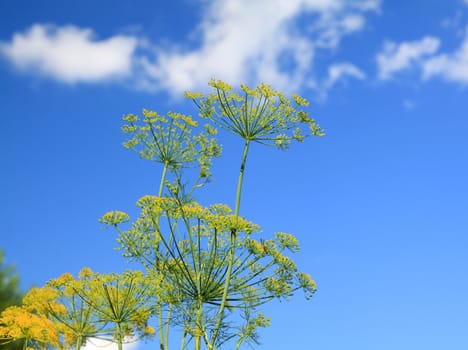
184, 269
119, 337
241, 177
182, 342
207, 341
160, 325
79, 341
212, 259
232, 248
199, 325
163, 179
192, 250
166, 334
159, 304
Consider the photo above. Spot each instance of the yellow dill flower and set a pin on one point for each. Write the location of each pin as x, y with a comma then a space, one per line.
85, 272
231, 223
260, 114
210, 130
114, 218
65, 278
220, 209
262, 321
146, 201
188, 120
168, 140
131, 118
194, 210
300, 101
219, 84
165, 205
19, 323
192, 95
149, 331
43, 300
254, 247
288, 241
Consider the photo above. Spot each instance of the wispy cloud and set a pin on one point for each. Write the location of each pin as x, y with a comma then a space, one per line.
339, 71
70, 54
423, 54
397, 57
274, 41
451, 67
243, 40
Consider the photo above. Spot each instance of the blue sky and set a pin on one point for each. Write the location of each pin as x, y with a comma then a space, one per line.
379, 204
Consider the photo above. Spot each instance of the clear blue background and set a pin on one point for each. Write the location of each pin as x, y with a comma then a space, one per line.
380, 205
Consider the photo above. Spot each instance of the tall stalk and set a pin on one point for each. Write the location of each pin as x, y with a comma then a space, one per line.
241, 177
119, 337
198, 325
79, 342
232, 247
163, 340
182, 342
166, 333
163, 179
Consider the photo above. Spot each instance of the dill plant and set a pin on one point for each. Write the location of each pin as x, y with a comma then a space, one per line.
207, 261
205, 271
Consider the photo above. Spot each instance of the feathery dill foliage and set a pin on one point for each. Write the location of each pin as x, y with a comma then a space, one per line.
206, 270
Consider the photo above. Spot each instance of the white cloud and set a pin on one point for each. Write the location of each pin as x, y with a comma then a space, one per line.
100, 344
352, 23
397, 57
274, 41
70, 54
342, 70
369, 5
451, 67
252, 41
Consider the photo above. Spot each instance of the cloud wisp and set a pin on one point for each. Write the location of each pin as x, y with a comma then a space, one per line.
253, 41
450, 67
425, 56
70, 54
339, 71
273, 41
397, 57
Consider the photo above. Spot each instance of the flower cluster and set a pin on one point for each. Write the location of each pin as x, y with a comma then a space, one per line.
261, 114
170, 140
114, 218
23, 323
67, 311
